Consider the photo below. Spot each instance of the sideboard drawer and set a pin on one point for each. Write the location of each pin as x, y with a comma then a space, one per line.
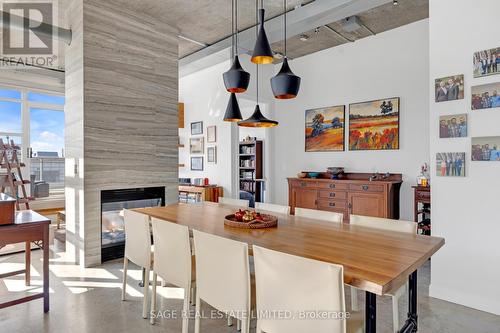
331, 204
333, 194
366, 187
423, 195
332, 186
304, 184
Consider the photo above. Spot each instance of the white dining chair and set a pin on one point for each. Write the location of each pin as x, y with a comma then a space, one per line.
234, 202
138, 249
272, 208
289, 283
222, 277
387, 225
172, 262
320, 215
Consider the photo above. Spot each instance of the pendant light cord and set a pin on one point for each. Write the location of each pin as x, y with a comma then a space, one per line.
284, 10
257, 36
232, 29
236, 27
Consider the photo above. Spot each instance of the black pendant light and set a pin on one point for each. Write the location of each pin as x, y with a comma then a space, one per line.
233, 112
236, 79
262, 52
285, 84
257, 119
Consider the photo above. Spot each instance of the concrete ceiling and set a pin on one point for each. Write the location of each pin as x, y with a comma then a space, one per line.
379, 19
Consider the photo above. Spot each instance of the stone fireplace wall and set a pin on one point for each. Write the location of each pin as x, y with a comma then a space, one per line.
121, 123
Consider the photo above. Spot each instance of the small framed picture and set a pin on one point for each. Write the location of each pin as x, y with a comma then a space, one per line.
197, 128
450, 164
196, 145
197, 163
453, 126
212, 134
212, 155
449, 88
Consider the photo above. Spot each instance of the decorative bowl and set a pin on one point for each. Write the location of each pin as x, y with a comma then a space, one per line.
313, 174
302, 175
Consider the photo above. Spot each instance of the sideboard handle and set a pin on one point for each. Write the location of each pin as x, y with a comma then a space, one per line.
332, 194
332, 204
303, 184
365, 187
332, 185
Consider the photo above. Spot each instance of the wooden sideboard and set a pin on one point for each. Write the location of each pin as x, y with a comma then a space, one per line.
354, 193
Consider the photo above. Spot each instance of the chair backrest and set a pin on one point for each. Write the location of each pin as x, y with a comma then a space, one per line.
319, 215
289, 283
137, 238
272, 208
172, 255
384, 224
222, 273
234, 202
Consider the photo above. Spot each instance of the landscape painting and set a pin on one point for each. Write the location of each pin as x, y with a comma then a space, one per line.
374, 125
450, 164
325, 129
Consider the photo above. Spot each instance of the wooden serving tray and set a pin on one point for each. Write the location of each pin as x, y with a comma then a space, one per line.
270, 221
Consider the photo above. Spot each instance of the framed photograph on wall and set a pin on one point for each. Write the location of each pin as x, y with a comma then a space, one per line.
197, 163
196, 145
211, 134
485, 96
374, 125
454, 126
486, 149
486, 62
449, 88
212, 155
325, 128
450, 164
197, 128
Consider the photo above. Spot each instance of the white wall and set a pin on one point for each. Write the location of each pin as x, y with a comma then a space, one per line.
465, 210
394, 63
205, 99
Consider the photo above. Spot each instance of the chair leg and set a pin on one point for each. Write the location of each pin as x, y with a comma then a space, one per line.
185, 311
153, 300
245, 325
229, 320
354, 299
193, 295
146, 294
395, 314
125, 266
238, 324
197, 315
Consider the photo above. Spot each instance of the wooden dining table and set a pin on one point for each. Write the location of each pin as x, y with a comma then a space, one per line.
375, 261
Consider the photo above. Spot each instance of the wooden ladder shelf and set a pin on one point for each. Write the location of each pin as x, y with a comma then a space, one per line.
14, 178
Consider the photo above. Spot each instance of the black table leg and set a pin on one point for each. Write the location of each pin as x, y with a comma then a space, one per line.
411, 323
370, 312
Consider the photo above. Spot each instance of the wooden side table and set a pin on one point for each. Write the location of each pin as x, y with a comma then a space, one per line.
422, 208
28, 227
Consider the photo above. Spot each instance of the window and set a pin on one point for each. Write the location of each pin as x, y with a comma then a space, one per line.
35, 119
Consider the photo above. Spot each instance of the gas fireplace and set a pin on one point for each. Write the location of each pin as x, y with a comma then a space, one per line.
113, 202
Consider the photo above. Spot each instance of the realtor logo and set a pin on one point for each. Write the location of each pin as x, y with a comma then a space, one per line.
27, 28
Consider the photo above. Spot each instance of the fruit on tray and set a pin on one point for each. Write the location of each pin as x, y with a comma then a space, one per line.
248, 216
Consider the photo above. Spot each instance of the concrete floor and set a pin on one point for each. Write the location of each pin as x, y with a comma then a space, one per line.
88, 300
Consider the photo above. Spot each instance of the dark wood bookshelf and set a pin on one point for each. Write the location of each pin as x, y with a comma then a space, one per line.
250, 168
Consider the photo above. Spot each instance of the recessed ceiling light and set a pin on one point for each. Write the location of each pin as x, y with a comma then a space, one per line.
395, 2
278, 55
304, 38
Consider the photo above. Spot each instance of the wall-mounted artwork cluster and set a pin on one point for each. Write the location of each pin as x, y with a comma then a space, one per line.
373, 125
484, 96
197, 146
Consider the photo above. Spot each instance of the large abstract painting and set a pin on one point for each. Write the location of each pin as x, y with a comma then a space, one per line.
374, 125
325, 129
